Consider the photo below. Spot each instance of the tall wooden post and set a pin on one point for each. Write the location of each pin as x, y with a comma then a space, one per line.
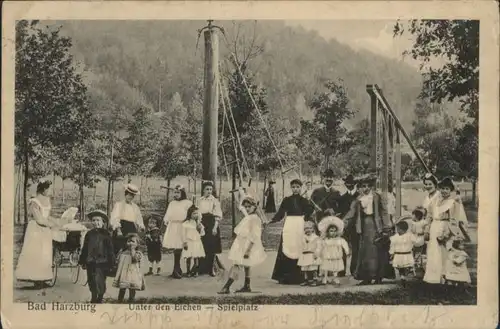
384, 183
210, 105
373, 128
233, 199
110, 179
397, 174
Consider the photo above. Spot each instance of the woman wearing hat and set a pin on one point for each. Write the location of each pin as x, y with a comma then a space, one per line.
446, 215
126, 216
270, 205
174, 217
211, 214
35, 261
294, 209
370, 219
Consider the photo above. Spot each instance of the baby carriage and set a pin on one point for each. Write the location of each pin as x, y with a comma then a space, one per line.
67, 244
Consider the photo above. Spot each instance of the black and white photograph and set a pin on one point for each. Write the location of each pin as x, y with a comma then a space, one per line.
192, 162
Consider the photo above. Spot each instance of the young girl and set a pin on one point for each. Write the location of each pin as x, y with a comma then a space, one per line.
247, 249
153, 244
128, 275
308, 260
332, 248
456, 272
401, 250
174, 217
193, 247
418, 229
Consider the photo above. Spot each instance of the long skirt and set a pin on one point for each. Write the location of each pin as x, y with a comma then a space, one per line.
286, 270
373, 259
35, 261
211, 244
120, 242
436, 255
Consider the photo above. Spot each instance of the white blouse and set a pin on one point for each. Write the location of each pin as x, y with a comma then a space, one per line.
210, 205
126, 211
177, 211
367, 203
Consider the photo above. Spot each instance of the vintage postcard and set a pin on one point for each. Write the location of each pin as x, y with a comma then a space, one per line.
250, 164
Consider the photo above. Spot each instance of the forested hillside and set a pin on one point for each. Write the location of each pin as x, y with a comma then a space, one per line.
127, 62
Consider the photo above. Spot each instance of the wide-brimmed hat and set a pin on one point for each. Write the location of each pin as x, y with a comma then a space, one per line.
98, 212
349, 180
296, 181
250, 199
369, 177
132, 189
430, 177
272, 181
328, 173
447, 182
328, 221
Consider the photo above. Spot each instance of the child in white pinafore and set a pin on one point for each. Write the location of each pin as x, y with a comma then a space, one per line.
247, 249
332, 249
401, 250
129, 275
308, 260
193, 230
456, 272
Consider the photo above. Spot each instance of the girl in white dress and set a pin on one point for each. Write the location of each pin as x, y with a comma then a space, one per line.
332, 248
174, 217
247, 249
35, 261
401, 250
444, 214
456, 272
191, 235
308, 260
129, 275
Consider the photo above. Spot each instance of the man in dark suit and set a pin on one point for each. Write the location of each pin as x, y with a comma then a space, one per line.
350, 234
326, 197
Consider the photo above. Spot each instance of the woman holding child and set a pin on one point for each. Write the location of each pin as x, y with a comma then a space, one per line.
447, 221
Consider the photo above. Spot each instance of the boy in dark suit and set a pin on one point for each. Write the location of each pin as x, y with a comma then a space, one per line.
326, 197
97, 255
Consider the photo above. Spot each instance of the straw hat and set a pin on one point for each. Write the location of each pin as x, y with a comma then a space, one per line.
331, 220
98, 213
132, 189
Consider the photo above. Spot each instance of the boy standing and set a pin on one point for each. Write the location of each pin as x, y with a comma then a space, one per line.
97, 255
153, 244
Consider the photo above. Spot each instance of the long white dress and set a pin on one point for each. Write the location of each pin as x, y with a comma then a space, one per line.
35, 260
249, 230
192, 238
437, 254
174, 217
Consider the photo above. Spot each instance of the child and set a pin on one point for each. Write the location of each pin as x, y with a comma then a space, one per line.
128, 275
308, 259
247, 249
401, 250
193, 230
456, 272
153, 244
418, 229
332, 248
97, 255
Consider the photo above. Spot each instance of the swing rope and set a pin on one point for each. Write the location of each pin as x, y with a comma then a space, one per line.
223, 152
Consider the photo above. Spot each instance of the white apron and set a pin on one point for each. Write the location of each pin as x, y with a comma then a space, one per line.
293, 233
35, 260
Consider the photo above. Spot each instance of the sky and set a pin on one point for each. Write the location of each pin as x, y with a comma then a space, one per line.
372, 35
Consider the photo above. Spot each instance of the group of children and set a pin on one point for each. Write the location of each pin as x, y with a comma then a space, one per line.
97, 256
408, 249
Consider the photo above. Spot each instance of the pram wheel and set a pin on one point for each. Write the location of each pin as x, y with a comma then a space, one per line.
52, 282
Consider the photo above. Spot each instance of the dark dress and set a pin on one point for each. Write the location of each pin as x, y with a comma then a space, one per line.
326, 199
120, 242
153, 244
98, 256
270, 201
350, 234
286, 270
373, 251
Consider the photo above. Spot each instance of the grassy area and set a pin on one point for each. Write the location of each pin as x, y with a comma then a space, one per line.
415, 293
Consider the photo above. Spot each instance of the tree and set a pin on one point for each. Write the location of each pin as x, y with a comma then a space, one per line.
50, 101
456, 42
331, 110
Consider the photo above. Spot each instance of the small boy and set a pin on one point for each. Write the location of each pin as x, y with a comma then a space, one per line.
418, 228
154, 245
97, 255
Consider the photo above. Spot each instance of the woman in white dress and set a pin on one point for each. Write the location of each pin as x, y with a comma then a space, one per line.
35, 260
444, 210
174, 217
